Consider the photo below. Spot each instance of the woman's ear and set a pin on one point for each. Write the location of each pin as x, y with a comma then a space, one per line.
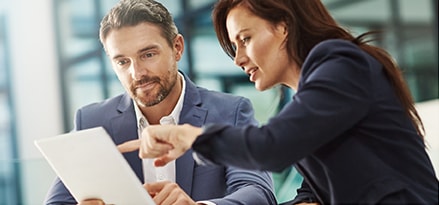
283, 28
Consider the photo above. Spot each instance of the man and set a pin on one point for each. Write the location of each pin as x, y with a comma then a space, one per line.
144, 46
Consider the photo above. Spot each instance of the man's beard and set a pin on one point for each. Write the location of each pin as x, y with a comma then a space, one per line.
163, 92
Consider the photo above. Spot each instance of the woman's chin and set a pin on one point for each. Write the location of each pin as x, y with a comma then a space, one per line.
260, 87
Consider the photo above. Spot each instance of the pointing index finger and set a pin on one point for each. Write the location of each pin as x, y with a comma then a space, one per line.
129, 146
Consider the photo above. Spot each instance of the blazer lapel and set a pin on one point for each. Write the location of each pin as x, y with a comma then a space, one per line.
192, 114
124, 128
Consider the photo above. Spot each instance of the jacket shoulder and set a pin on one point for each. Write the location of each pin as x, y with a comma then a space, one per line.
217, 96
105, 105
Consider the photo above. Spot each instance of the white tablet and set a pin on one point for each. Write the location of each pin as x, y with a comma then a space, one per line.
90, 166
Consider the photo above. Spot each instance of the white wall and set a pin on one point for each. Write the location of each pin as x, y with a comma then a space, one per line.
36, 91
429, 113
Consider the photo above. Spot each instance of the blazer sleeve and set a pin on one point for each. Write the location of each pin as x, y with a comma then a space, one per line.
247, 186
304, 195
58, 194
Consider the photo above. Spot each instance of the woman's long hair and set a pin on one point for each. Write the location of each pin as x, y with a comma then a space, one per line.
310, 23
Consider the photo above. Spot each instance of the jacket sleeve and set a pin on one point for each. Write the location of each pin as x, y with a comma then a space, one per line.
247, 186
58, 194
304, 195
333, 95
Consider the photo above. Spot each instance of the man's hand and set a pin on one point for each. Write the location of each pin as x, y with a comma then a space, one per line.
168, 193
92, 202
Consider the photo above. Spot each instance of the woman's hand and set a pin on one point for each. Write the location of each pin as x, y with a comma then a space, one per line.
167, 142
163, 142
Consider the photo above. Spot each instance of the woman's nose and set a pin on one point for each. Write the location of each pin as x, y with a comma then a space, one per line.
240, 58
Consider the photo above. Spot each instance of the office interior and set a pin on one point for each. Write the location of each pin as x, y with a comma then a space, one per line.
52, 63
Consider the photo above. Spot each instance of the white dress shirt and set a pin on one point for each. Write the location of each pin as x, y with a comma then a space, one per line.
150, 172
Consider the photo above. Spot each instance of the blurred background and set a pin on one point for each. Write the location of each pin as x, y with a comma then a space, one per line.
51, 63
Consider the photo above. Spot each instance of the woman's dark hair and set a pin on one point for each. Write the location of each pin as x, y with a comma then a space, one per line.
309, 23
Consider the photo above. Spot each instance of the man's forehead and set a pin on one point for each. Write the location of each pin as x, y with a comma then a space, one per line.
132, 40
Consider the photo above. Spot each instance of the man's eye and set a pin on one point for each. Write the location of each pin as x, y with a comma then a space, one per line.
148, 55
122, 62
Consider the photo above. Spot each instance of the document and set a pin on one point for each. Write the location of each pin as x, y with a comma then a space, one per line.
90, 166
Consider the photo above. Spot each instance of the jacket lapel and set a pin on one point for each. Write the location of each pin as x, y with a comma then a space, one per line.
124, 128
193, 114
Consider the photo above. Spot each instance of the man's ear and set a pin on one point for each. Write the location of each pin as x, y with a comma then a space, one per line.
178, 46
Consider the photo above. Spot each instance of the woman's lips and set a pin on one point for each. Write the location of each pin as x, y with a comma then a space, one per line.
251, 72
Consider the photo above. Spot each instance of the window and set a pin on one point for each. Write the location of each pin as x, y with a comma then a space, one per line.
9, 166
85, 74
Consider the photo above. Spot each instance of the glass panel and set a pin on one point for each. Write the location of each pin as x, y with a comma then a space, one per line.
419, 11
85, 71
197, 4
37, 176
174, 7
9, 192
84, 84
408, 35
350, 12
264, 103
210, 59
420, 64
78, 27
5, 124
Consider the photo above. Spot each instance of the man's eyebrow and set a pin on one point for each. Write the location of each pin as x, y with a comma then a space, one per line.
147, 49
117, 56
138, 52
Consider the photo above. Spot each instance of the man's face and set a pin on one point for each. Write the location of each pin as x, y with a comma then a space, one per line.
144, 62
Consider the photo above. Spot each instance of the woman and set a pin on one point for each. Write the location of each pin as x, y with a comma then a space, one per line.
351, 129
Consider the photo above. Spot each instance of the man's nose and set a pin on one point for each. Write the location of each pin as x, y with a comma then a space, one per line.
137, 70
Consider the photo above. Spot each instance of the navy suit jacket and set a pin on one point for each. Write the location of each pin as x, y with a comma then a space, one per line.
219, 184
345, 131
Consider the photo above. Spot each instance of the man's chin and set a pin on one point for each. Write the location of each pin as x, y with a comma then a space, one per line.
144, 103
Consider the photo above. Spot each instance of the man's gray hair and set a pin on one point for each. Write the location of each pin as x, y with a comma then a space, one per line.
133, 12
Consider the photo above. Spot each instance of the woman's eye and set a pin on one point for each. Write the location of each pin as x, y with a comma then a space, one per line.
245, 40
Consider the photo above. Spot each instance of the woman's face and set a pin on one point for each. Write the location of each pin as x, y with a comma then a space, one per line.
260, 48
